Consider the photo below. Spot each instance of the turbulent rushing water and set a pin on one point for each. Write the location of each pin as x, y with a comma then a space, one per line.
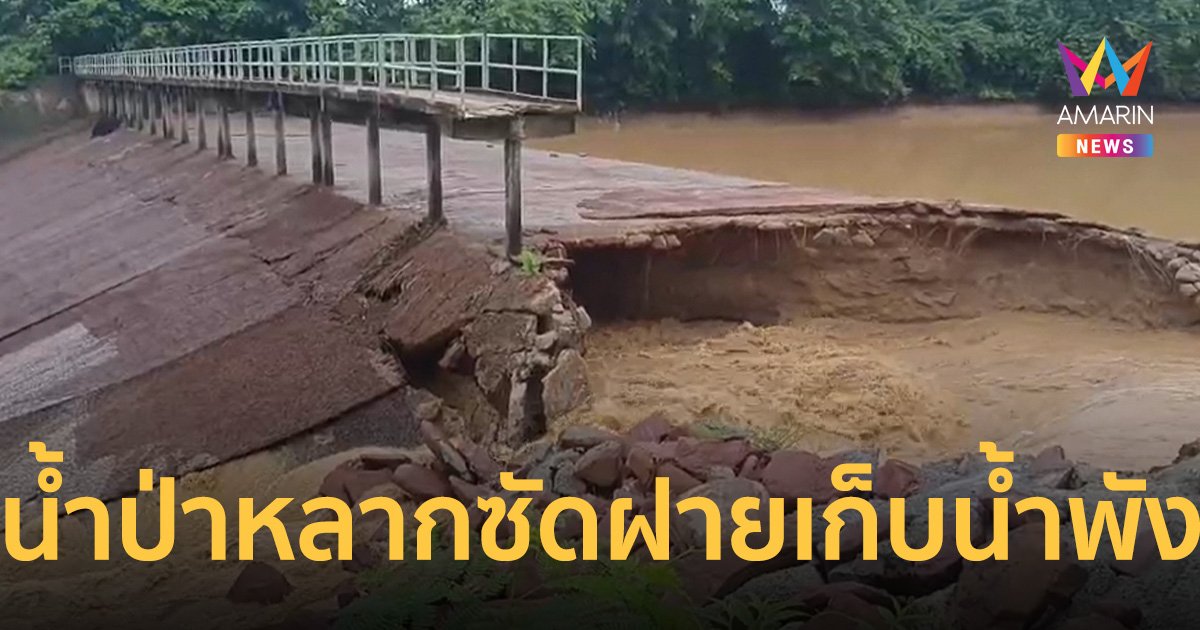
1002, 155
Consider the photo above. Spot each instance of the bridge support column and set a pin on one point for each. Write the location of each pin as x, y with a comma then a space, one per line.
326, 144
201, 131
165, 97
374, 183
221, 130
225, 136
153, 110
314, 129
433, 171
280, 137
251, 137
139, 105
181, 101
512, 184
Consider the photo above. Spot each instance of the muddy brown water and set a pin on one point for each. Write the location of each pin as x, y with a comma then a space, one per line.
1116, 395
1000, 154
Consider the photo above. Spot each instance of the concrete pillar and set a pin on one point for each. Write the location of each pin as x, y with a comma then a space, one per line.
181, 101
512, 184
141, 108
280, 138
251, 137
326, 144
201, 131
374, 185
433, 170
222, 122
166, 98
153, 110
127, 102
226, 132
314, 123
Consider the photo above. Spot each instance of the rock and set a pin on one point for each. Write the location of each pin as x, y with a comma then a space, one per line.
545, 341
530, 454
551, 464
1175, 263
1187, 451
1188, 273
349, 484
1189, 290
896, 479
846, 611
500, 333
637, 240
479, 460
1051, 459
585, 437
421, 483
382, 460
681, 481
346, 593
640, 463
690, 528
1128, 615
566, 386
454, 359
817, 597
1145, 554
654, 428
444, 450
1092, 622
566, 483
1014, 593
426, 407
302, 620
798, 474
831, 236
862, 239
259, 583
698, 456
469, 493
780, 586
750, 467
601, 466
585, 320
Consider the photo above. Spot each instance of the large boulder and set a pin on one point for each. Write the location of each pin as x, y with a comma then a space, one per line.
1014, 593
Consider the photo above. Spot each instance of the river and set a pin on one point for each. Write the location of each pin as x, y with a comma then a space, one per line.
991, 154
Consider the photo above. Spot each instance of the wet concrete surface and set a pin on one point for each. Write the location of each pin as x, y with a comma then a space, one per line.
162, 307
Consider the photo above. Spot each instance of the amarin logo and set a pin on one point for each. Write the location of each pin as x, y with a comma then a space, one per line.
1082, 84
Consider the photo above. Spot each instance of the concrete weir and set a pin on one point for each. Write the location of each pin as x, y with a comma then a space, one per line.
175, 308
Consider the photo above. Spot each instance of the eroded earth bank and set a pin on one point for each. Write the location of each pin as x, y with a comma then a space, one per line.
738, 351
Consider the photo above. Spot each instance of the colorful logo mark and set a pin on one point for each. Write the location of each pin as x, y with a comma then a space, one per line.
1082, 84
1108, 145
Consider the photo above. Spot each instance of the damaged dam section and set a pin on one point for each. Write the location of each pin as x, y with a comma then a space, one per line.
741, 350
914, 326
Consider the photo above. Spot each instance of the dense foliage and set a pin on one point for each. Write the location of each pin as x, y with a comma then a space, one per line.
686, 53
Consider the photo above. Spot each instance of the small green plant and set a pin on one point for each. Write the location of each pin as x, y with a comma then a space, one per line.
536, 592
531, 262
751, 613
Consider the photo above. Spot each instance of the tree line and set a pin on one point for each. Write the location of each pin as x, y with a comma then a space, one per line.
687, 54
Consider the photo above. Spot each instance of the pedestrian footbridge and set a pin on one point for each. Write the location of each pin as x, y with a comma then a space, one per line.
474, 86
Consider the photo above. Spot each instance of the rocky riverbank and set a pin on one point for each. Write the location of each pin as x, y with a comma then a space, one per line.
1026, 591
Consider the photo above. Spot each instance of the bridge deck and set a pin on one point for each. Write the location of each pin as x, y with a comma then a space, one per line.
466, 105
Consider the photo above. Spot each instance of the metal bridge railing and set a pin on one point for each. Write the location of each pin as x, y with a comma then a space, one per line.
548, 67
